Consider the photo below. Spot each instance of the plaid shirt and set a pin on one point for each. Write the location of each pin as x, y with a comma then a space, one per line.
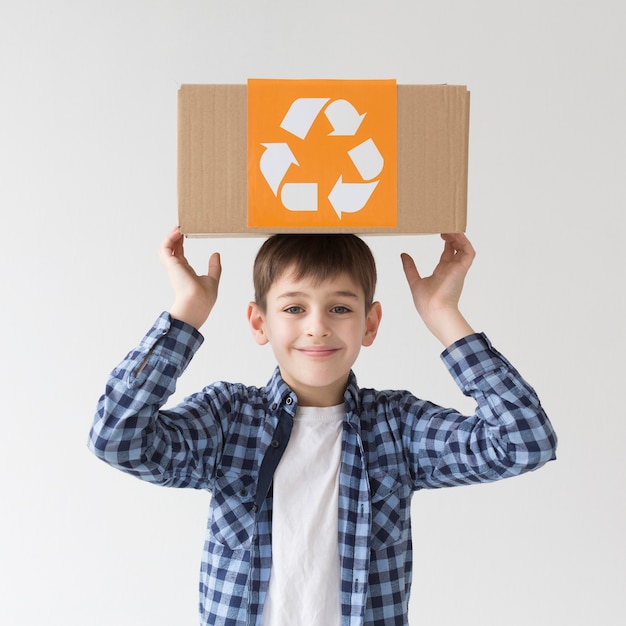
393, 444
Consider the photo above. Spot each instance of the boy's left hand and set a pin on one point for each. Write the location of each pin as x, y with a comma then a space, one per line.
436, 297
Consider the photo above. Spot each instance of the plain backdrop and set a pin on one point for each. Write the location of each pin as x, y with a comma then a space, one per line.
88, 191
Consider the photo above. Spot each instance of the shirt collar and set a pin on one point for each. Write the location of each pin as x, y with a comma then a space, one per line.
280, 395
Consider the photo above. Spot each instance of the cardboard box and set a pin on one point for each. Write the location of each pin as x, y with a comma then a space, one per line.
213, 167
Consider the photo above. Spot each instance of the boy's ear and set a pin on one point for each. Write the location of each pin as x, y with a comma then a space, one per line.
372, 322
257, 323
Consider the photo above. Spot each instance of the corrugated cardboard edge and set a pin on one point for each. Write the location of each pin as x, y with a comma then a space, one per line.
445, 202
212, 122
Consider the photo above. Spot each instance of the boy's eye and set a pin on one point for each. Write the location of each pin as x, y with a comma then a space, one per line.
294, 310
340, 309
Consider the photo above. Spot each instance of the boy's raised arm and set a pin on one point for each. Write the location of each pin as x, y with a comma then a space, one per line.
436, 297
194, 295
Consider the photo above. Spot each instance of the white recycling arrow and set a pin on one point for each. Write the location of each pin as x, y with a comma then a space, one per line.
344, 118
275, 162
350, 197
278, 158
367, 159
301, 115
299, 196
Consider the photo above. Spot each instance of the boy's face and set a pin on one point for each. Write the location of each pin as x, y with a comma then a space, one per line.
316, 331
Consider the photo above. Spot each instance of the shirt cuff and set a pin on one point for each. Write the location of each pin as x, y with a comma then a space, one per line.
172, 339
472, 357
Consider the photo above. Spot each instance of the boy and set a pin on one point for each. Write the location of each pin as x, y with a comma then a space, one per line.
311, 477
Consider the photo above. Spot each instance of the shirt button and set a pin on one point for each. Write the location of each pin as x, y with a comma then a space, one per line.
274, 406
243, 493
289, 401
275, 443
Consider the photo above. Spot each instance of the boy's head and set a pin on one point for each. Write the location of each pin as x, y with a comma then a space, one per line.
314, 305
315, 256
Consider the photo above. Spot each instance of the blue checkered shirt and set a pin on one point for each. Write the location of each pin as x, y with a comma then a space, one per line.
393, 445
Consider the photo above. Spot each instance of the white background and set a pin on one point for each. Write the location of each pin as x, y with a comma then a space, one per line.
88, 190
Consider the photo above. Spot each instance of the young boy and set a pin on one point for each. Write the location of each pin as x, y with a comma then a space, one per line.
311, 477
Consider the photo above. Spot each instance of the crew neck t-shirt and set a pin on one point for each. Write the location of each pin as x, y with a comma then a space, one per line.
304, 586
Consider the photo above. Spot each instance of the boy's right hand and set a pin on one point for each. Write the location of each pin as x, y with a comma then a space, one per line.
194, 295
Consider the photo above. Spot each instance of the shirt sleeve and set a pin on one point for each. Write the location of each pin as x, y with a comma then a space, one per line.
132, 433
509, 433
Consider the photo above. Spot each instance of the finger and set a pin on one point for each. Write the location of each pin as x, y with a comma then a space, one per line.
215, 267
410, 270
459, 241
458, 245
449, 251
170, 243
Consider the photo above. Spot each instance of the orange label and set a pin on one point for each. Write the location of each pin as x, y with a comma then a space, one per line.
322, 153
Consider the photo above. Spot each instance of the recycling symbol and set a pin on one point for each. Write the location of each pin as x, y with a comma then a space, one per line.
278, 158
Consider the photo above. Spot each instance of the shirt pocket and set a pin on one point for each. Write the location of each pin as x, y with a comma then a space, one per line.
389, 502
233, 512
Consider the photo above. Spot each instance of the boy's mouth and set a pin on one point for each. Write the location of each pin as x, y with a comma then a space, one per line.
318, 351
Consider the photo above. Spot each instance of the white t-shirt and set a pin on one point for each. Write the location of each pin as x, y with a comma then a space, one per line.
304, 587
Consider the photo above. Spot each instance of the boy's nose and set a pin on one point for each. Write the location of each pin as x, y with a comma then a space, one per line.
317, 326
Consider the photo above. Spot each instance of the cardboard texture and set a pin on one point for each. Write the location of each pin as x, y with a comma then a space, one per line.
213, 177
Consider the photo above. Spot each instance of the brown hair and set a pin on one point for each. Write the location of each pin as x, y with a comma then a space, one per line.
316, 256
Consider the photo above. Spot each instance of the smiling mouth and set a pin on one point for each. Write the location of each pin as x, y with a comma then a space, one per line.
318, 351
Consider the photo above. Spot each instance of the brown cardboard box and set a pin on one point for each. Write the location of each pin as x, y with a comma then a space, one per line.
432, 153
